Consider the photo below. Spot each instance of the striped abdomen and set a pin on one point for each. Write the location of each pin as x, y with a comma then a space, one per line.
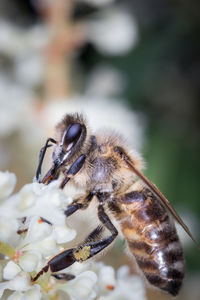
153, 240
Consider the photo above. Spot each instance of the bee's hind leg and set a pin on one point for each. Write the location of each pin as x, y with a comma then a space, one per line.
84, 251
66, 258
92, 246
57, 263
92, 236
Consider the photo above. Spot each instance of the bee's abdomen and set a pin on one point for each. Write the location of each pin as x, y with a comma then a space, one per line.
153, 240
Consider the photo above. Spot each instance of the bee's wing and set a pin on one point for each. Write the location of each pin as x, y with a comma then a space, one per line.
162, 198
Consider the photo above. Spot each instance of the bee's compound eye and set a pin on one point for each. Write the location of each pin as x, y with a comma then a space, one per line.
72, 134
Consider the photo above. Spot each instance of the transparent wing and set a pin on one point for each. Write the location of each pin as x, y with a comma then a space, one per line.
162, 198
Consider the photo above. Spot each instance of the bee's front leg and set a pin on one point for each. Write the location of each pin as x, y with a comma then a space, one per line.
41, 157
73, 170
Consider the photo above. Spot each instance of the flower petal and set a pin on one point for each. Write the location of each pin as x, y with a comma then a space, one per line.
7, 184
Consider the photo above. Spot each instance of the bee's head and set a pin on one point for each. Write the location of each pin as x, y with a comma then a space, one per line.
71, 133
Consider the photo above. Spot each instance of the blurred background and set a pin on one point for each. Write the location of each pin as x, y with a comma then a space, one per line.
132, 65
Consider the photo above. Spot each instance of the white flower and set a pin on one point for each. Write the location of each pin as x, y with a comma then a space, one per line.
27, 197
106, 278
18, 283
28, 261
40, 231
8, 230
10, 270
33, 293
113, 32
7, 184
15, 296
127, 287
63, 234
82, 287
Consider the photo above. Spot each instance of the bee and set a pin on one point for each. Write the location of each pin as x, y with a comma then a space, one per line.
105, 167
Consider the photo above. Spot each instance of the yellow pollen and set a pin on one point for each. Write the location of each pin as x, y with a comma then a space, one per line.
82, 254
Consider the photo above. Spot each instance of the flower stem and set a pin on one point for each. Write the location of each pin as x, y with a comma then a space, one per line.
6, 249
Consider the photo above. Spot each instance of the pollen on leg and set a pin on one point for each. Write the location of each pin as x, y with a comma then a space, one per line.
82, 254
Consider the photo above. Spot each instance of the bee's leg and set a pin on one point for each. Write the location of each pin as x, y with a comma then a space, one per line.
76, 204
90, 247
64, 276
59, 262
83, 251
41, 157
97, 246
53, 173
73, 170
96, 233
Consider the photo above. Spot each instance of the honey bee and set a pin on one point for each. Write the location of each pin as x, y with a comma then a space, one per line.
109, 171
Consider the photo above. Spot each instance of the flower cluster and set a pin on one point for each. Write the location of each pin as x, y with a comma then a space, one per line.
33, 228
